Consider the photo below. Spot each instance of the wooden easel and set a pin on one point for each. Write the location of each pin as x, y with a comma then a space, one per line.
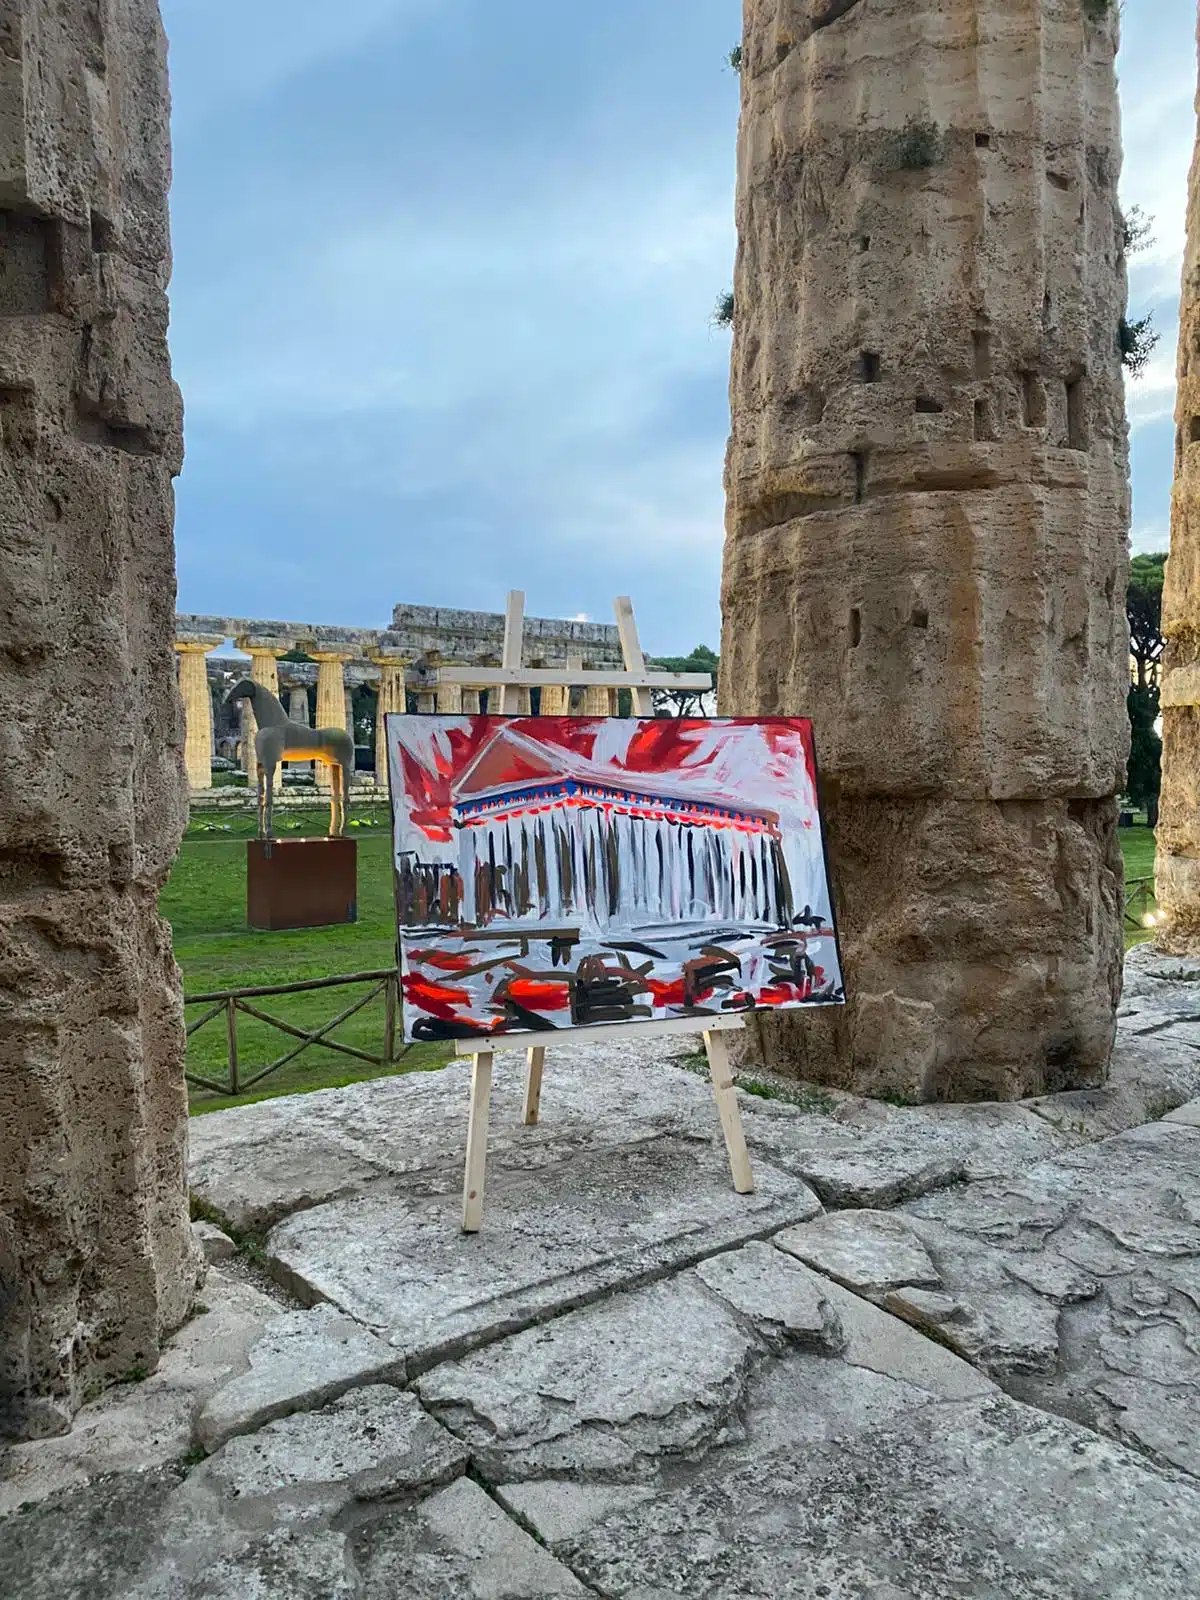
510, 677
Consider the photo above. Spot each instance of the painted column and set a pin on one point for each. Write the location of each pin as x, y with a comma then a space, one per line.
197, 709
391, 700
331, 698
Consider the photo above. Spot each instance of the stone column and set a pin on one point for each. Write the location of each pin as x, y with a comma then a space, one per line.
556, 700
928, 502
470, 702
349, 723
197, 709
264, 669
298, 710
450, 699
1177, 860
97, 1260
391, 700
426, 702
595, 703
331, 699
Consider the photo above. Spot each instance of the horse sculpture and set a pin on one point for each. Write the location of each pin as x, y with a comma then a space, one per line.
279, 738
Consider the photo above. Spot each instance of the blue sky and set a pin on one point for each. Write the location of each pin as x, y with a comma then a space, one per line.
444, 271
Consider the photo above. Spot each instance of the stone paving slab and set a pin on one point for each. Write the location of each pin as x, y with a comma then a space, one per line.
255, 1165
300, 1360
603, 1220
148, 1423
365, 1499
777, 1453
1078, 1284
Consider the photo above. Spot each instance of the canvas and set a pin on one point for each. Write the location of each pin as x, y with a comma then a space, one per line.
564, 872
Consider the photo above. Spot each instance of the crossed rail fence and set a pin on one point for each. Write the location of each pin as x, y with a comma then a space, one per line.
232, 1003
1140, 902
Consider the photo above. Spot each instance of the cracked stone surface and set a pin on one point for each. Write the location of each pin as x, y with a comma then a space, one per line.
149, 1423
258, 1164
667, 1372
1079, 1284
988, 1388
873, 1463
868, 1251
363, 1499
606, 1218
301, 1360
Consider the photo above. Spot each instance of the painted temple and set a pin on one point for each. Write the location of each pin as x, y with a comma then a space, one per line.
548, 836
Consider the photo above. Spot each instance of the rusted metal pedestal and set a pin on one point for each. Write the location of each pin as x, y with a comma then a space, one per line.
301, 883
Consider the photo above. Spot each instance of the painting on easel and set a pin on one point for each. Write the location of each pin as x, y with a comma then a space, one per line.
568, 872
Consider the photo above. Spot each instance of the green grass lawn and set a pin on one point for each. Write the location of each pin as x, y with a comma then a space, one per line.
1137, 846
205, 902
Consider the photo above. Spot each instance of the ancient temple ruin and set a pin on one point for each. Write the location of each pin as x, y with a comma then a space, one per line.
927, 512
400, 663
97, 1258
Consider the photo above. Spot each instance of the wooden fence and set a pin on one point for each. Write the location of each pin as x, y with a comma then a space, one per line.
1139, 902
228, 1003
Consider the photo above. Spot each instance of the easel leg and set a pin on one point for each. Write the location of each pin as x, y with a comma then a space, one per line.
535, 1058
477, 1133
721, 1073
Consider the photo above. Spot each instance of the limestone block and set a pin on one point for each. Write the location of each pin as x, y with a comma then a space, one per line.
374, 1443
216, 1245
302, 1360
927, 505
867, 1251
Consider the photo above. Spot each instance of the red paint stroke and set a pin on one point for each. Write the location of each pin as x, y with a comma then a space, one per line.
538, 995
658, 746
667, 994
443, 960
437, 999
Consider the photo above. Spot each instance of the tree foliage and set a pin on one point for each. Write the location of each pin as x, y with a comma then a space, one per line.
723, 311
685, 702
1137, 341
1143, 607
1143, 775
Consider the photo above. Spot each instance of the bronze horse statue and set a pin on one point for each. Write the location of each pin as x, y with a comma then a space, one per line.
280, 739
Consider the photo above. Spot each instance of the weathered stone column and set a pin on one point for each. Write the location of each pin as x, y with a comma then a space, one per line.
391, 700
556, 700
1177, 860
470, 702
264, 669
298, 710
97, 1261
331, 700
197, 709
927, 512
450, 699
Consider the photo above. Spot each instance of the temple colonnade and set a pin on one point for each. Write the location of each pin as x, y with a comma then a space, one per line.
401, 662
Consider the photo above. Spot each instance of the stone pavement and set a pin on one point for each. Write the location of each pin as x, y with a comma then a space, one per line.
940, 1352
